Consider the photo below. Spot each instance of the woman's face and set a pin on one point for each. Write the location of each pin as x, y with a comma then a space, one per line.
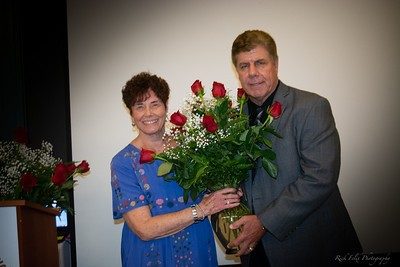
149, 114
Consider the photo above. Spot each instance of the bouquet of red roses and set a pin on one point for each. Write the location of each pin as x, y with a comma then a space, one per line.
215, 145
35, 175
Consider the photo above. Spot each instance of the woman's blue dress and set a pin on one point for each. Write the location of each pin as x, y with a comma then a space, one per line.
135, 185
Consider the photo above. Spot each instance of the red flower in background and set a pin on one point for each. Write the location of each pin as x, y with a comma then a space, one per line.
197, 88
218, 90
83, 167
71, 167
209, 123
60, 174
28, 182
146, 156
37, 175
178, 118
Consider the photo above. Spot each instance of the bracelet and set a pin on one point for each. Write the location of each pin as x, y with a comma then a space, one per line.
194, 213
202, 211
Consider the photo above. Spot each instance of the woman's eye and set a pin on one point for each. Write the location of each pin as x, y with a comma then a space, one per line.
156, 104
138, 107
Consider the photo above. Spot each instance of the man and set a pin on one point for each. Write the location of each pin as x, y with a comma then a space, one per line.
299, 217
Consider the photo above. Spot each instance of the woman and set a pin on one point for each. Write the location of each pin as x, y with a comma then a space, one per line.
160, 229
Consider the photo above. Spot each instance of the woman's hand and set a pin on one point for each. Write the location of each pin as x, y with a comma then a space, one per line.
219, 200
147, 227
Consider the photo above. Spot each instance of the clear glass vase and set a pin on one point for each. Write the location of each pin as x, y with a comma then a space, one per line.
220, 224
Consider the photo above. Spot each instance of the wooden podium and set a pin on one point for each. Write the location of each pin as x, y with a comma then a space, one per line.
28, 234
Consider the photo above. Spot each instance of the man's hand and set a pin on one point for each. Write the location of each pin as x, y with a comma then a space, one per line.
251, 232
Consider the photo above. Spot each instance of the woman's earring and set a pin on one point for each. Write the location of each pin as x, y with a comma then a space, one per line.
133, 124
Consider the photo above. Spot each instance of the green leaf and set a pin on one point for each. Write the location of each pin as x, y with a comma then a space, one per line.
267, 142
244, 166
164, 168
194, 194
268, 130
268, 153
221, 111
256, 129
200, 172
270, 167
254, 151
243, 136
198, 159
185, 196
68, 184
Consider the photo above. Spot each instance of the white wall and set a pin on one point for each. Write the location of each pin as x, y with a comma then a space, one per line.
345, 50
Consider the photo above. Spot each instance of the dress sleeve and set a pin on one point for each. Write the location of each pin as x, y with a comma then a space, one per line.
127, 191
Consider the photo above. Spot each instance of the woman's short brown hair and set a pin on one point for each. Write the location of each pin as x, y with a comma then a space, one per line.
137, 88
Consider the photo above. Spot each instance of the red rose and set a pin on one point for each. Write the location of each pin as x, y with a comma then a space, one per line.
71, 167
275, 110
218, 90
60, 174
197, 88
209, 123
83, 167
28, 182
178, 118
241, 94
146, 156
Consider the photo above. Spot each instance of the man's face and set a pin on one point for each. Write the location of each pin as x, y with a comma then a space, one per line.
258, 73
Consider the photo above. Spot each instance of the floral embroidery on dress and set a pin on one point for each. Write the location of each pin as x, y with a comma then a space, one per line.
182, 249
146, 187
153, 256
123, 203
160, 201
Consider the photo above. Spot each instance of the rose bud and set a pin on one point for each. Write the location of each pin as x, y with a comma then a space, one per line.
83, 166
209, 123
241, 94
178, 118
197, 88
275, 110
60, 174
28, 182
218, 90
146, 156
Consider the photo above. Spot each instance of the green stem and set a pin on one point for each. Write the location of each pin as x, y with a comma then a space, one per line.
241, 106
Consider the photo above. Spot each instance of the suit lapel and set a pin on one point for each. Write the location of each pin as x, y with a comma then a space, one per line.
280, 96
